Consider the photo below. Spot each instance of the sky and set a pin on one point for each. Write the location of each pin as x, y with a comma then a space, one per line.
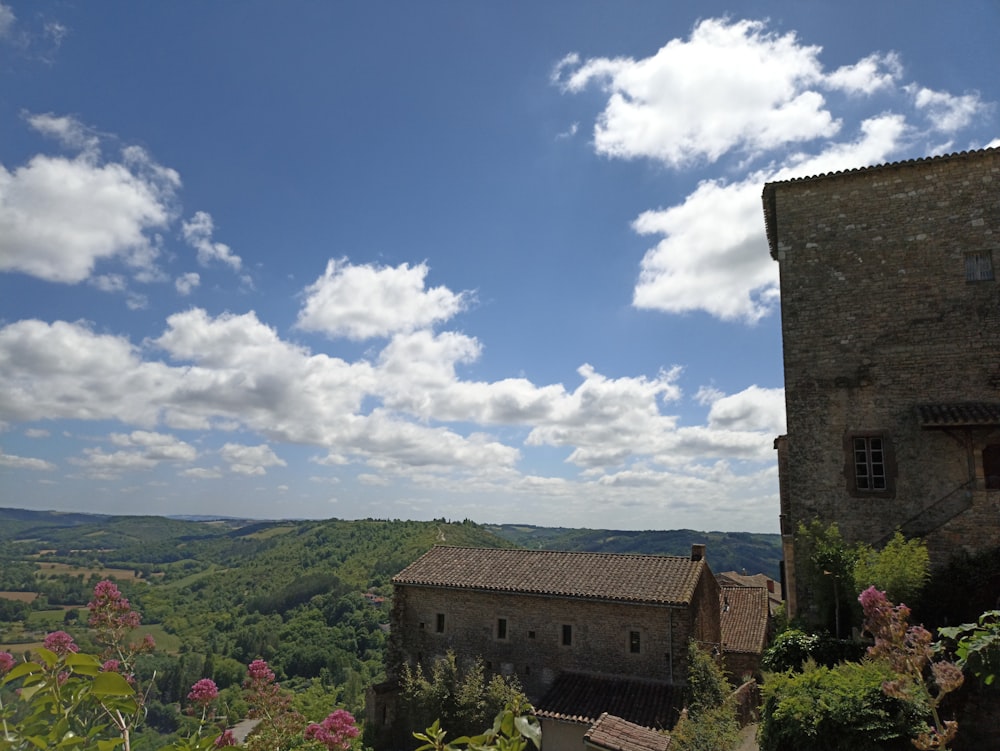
498, 261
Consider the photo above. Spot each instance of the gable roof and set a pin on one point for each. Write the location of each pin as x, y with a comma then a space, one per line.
615, 734
743, 616
647, 579
584, 697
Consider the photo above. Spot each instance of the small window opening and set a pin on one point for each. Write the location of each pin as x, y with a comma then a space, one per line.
501, 628
567, 635
979, 266
634, 642
439, 627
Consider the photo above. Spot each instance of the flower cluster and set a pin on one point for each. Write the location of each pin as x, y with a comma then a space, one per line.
61, 643
6, 662
203, 692
909, 651
335, 732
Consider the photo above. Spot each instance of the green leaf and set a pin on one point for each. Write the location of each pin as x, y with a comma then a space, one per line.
83, 664
109, 744
111, 684
22, 668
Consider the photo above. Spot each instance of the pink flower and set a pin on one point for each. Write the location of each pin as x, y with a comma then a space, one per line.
110, 610
226, 739
259, 671
203, 692
148, 643
61, 643
111, 666
6, 662
335, 732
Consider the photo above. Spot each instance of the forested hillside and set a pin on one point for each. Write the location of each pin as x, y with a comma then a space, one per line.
310, 597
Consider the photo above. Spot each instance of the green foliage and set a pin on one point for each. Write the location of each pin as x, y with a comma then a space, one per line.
900, 569
709, 721
842, 708
512, 730
977, 646
829, 571
65, 701
792, 647
461, 697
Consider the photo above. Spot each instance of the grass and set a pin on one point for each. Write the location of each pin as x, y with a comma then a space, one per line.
122, 574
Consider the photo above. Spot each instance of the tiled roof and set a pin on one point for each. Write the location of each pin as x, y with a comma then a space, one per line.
583, 698
654, 579
959, 414
615, 734
743, 614
733, 579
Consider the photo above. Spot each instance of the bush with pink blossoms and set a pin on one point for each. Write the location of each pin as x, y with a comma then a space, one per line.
335, 732
910, 652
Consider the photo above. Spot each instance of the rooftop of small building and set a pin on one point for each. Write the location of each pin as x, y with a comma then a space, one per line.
583, 697
743, 616
616, 734
648, 579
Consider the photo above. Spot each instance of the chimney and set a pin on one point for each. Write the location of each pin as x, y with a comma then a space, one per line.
770, 586
697, 552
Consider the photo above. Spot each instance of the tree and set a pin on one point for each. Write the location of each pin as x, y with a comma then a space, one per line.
900, 569
830, 572
708, 722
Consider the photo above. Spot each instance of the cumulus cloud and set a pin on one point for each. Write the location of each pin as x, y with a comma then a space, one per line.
365, 301
185, 284
198, 234
737, 90
60, 216
156, 446
729, 85
22, 462
250, 460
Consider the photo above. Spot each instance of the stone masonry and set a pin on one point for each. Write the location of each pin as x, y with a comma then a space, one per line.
890, 313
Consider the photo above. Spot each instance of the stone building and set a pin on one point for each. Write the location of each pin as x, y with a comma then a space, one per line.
890, 314
585, 633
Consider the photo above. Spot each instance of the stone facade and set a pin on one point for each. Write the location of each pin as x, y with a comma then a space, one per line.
890, 316
538, 635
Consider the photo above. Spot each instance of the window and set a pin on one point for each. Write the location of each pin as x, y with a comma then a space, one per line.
531, 634
991, 466
439, 626
567, 635
869, 467
978, 266
501, 628
869, 463
634, 642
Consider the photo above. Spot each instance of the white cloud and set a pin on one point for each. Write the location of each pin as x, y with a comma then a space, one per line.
99, 465
198, 234
754, 408
736, 89
59, 216
366, 301
7, 19
202, 473
156, 446
69, 131
947, 112
731, 85
187, 283
37, 433
22, 462
250, 460
870, 74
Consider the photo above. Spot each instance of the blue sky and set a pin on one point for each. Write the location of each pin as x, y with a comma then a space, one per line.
498, 261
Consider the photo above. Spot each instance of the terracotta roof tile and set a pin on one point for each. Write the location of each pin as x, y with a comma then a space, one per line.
583, 698
615, 734
653, 579
744, 613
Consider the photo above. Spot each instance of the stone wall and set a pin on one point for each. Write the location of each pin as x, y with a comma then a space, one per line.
601, 633
877, 318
